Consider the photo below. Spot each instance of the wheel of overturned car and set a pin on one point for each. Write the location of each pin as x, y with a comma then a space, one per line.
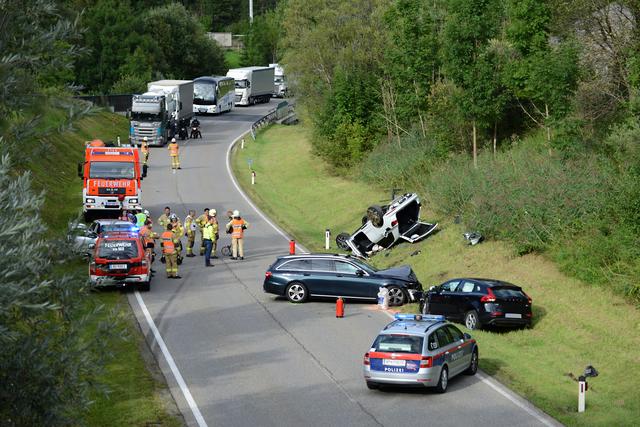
296, 292
471, 320
396, 296
375, 215
341, 241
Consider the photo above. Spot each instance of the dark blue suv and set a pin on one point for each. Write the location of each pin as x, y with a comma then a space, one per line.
298, 277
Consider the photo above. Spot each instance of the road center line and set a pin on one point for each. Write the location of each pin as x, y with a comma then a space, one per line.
172, 364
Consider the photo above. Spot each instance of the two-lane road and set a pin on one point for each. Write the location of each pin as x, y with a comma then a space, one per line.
242, 357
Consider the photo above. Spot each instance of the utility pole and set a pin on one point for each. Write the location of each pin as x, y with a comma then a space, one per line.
251, 11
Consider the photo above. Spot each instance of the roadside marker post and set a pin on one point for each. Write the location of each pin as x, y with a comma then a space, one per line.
582, 392
242, 144
327, 238
253, 177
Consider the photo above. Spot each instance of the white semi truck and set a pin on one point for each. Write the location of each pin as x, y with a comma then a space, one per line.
280, 87
253, 84
158, 112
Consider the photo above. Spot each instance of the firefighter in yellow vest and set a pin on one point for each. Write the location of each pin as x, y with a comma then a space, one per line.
144, 148
236, 228
190, 231
178, 232
173, 153
164, 220
201, 221
168, 243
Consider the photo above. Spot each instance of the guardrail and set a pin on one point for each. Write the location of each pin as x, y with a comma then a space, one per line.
282, 111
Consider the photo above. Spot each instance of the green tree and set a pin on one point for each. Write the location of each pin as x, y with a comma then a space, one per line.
48, 364
543, 76
411, 58
469, 26
261, 41
37, 48
112, 33
180, 47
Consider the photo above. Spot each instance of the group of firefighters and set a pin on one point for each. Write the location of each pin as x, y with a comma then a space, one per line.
174, 230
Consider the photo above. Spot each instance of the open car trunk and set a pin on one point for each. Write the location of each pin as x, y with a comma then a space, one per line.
418, 230
409, 227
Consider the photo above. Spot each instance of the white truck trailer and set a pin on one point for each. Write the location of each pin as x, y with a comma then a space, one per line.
253, 84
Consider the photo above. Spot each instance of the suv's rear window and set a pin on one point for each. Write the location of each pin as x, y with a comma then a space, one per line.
398, 343
505, 292
118, 249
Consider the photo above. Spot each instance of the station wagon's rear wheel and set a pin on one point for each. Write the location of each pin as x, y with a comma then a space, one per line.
296, 292
443, 381
396, 296
473, 366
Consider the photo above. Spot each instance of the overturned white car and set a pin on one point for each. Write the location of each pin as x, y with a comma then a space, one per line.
383, 226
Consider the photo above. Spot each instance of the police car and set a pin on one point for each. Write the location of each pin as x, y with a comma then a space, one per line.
419, 350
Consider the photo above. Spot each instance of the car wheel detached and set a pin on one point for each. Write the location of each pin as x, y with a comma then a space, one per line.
471, 320
443, 381
473, 366
396, 296
296, 292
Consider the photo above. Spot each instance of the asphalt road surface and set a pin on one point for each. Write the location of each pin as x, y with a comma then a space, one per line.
242, 357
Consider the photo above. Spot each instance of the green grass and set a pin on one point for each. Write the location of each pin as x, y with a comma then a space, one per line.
232, 58
136, 397
575, 324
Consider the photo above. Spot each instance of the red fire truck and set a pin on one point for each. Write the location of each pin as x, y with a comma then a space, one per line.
111, 178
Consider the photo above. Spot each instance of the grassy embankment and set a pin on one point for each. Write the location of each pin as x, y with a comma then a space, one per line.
138, 396
575, 324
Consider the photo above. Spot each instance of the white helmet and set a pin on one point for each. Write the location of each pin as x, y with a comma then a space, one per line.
146, 212
144, 139
173, 217
236, 213
173, 140
213, 212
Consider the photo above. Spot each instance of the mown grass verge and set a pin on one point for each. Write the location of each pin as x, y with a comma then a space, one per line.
575, 324
136, 398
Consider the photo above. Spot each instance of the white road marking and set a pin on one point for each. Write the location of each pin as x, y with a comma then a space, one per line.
172, 364
483, 377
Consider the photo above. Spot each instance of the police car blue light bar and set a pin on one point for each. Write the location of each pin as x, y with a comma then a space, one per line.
432, 317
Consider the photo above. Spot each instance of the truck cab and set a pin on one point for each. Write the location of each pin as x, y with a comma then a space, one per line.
111, 180
149, 118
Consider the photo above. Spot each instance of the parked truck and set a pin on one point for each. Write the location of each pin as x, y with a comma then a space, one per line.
253, 84
157, 113
111, 180
280, 87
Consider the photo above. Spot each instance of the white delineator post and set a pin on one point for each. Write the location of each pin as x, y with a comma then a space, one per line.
242, 144
327, 238
253, 177
582, 391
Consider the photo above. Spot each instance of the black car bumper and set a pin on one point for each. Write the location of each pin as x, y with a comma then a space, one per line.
501, 321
